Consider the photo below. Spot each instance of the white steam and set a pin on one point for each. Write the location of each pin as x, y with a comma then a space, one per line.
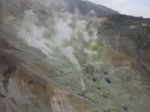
63, 40
81, 27
32, 33
69, 53
63, 31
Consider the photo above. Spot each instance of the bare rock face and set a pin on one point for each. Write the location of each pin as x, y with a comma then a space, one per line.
53, 60
130, 35
25, 87
24, 82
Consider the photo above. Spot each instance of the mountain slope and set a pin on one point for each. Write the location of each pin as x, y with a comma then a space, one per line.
72, 6
55, 58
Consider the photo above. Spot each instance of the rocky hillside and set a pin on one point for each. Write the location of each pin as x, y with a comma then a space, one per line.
72, 6
68, 56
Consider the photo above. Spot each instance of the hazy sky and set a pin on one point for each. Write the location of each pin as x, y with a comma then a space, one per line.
129, 7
